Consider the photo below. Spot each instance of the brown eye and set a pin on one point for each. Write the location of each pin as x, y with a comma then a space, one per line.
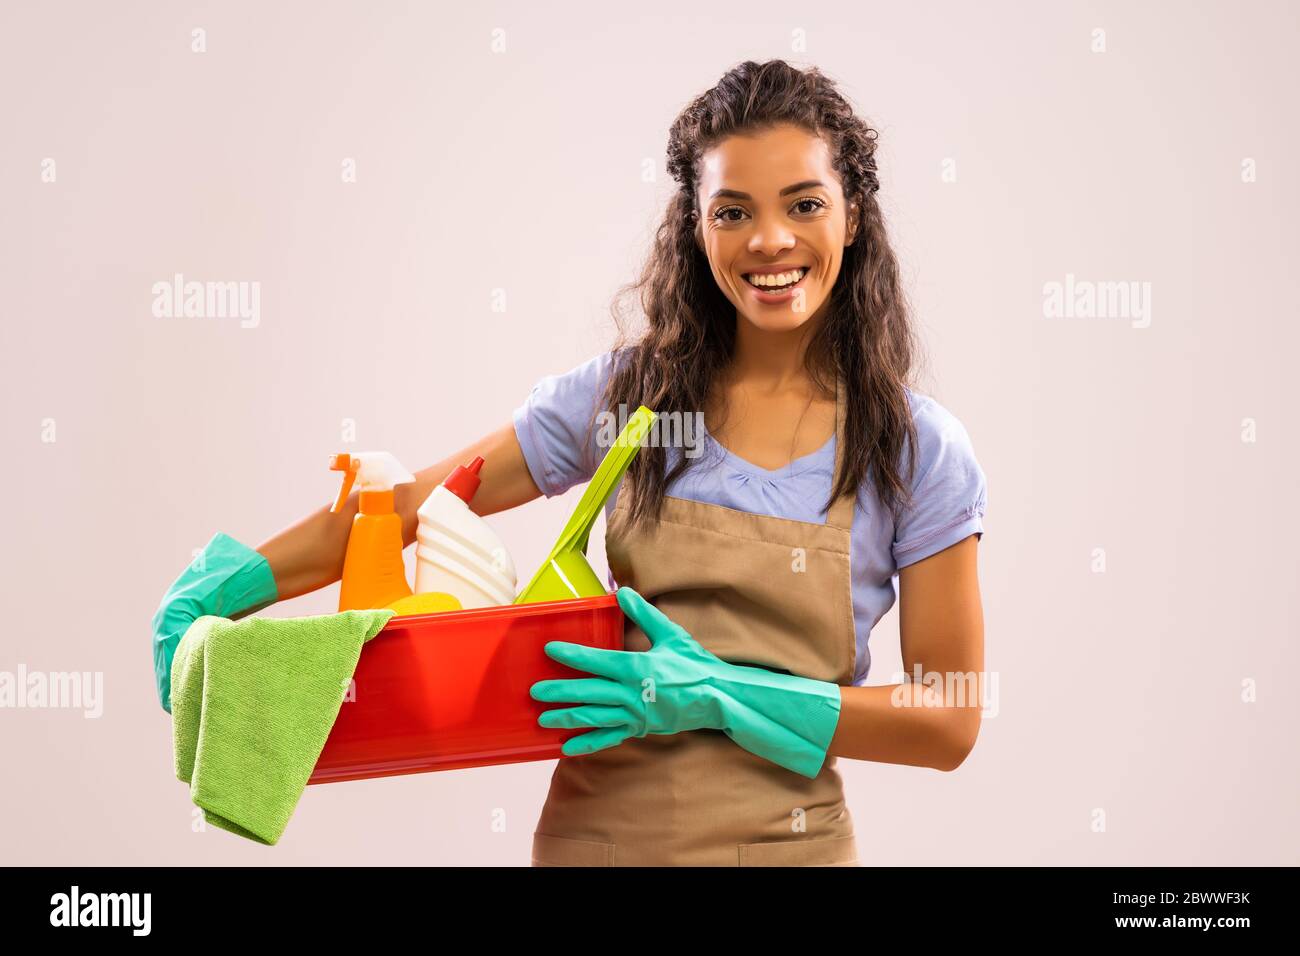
721, 214
817, 204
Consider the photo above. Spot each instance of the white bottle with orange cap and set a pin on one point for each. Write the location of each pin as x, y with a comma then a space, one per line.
456, 551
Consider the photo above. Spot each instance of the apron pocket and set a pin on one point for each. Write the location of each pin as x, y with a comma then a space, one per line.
836, 851
562, 851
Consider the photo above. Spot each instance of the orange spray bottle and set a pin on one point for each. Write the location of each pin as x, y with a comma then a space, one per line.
373, 573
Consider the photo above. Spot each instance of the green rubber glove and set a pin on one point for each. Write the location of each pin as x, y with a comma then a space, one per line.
678, 685
226, 579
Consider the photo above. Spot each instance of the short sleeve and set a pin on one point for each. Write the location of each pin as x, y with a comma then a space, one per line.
948, 487
557, 425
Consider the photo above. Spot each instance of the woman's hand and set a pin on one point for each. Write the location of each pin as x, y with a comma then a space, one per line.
678, 685
226, 579
660, 691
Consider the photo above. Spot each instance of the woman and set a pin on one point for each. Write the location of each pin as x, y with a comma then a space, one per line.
751, 578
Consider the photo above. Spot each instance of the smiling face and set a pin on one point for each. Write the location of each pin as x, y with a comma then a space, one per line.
773, 223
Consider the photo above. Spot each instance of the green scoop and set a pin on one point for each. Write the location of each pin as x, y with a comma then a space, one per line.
566, 573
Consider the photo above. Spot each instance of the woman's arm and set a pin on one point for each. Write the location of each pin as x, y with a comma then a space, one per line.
941, 624
309, 554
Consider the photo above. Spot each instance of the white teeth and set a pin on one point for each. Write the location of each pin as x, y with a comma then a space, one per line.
776, 281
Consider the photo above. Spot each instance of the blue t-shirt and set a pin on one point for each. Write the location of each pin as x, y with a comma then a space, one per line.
562, 446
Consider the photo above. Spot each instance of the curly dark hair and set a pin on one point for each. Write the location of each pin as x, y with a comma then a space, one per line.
866, 337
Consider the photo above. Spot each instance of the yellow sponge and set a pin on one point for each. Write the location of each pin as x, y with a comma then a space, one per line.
431, 603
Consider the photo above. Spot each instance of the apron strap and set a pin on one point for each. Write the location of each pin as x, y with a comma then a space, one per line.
843, 508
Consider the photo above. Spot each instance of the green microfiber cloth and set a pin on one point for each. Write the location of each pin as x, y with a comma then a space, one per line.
252, 704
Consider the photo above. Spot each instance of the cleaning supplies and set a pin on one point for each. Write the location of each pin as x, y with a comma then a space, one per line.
566, 573
373, 573
450, 691
456, 551
253, 703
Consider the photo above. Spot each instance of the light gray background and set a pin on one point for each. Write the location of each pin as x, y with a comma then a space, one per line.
1119, 692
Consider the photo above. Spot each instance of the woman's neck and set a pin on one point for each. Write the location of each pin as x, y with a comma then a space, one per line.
767, 361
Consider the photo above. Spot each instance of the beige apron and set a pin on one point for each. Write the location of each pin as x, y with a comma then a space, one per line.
732, 580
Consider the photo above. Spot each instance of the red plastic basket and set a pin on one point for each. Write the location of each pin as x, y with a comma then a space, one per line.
450, 690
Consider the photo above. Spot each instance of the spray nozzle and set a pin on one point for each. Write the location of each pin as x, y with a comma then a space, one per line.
369, 471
